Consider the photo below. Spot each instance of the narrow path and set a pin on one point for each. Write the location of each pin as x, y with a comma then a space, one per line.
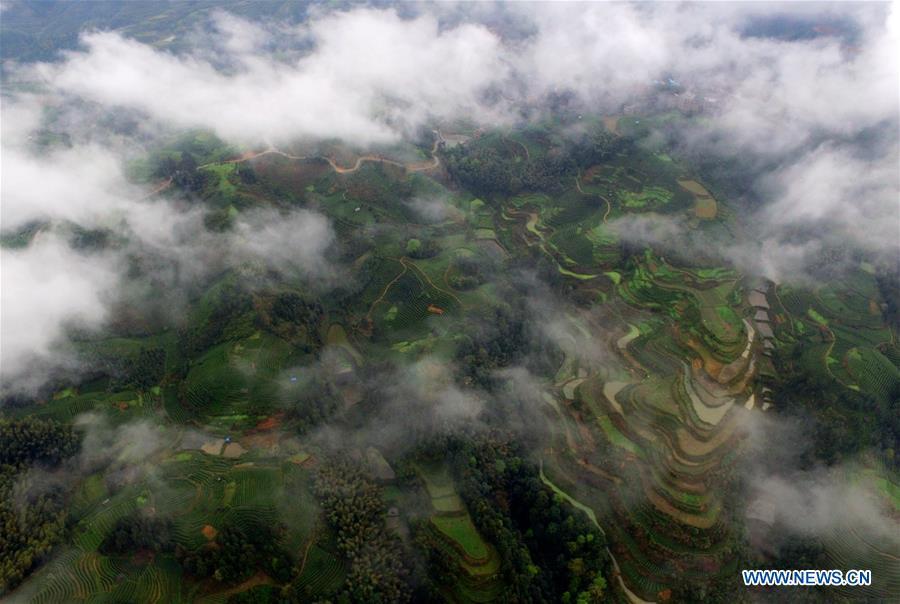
404, 262
260, 578
827, 354
434, 162
578, 183
632, 597
309, 544
159, 188
408, 265
580, 190
384, 292
527, 154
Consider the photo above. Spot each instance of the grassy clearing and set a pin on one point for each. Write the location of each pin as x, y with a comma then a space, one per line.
222, 174
815, 316
460, 529
337, 336
447, 504
648, 197
437, 479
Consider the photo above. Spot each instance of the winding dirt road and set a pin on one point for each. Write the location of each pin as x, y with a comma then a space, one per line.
580, 190
421, 166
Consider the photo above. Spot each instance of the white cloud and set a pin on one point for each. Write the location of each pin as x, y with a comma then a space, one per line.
295, 243
43, 289
48, 287
83, 184
821, 502
370, 77
859, 199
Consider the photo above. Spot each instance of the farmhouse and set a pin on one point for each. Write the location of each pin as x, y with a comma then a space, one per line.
761, 315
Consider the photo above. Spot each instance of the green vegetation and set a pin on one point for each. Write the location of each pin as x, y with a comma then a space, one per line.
461, 530
518, 323
241, 548
33, 516
354, 507
649, 197
136, 532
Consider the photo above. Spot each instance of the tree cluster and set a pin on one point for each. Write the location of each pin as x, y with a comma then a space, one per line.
30, 441
139, 532
314, 402
595, 145
552, 552
888, 279
184, 172
502, 342
90, 240
261, 594
143, 371
291, 316
231, 303
238, 551
467, 273
32, 514
842, 422
354, 507
419, 249
485, 171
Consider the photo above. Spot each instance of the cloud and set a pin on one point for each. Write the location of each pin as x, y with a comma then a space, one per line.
370, 77
786, 490
125, 446
432, 210
650, 228
295, 243
814, 119
414, 401
44, 289
854, 198
579, 334
823, 502
83, 183
829, 201
48, 287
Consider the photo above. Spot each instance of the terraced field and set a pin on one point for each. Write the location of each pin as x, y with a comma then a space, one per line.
843, 339
666, 442
655, 363
478, 563
201, 493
